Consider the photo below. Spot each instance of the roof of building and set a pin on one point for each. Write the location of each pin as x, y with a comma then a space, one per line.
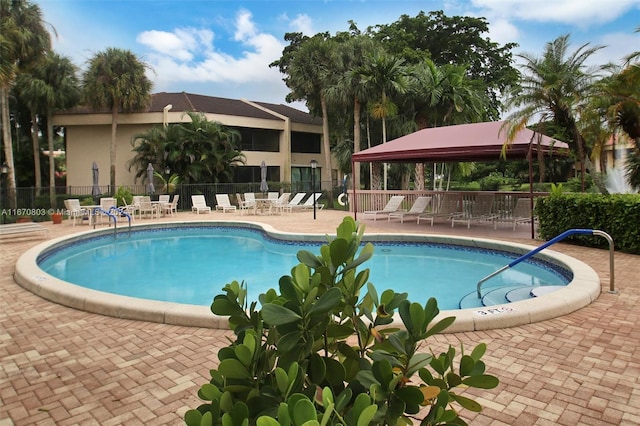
183, 102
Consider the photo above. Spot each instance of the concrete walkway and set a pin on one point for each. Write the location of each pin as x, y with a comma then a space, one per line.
60, 366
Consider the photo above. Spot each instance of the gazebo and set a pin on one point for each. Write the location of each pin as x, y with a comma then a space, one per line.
465, 142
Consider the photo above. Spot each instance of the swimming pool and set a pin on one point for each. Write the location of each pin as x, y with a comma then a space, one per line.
405, 263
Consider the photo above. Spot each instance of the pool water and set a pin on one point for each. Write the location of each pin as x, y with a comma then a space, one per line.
190, 265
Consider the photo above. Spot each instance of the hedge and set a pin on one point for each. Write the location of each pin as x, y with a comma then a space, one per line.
618, 215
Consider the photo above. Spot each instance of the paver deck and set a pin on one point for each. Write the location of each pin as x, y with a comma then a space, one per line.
60, 366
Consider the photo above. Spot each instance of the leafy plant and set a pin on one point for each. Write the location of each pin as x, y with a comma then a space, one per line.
169, 184
123, 196
325, 350
556, 190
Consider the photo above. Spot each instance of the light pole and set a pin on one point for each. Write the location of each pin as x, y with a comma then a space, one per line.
314, 165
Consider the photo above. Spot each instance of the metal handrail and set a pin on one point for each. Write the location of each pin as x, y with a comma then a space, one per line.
124, 213
112, 216
553, 241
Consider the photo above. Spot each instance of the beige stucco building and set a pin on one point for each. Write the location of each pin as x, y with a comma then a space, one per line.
285, 138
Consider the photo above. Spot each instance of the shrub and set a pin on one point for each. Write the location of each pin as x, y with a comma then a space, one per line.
323, 350
617, 215
123, 196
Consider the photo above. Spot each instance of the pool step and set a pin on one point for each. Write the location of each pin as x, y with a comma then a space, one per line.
507, 294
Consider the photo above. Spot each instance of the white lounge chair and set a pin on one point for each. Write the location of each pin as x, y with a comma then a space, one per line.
224, 203
393, 205
419, 206
308, 204
295, 201
20, 230
199, 204
521, 213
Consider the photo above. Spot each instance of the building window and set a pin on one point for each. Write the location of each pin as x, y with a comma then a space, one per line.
305, 143
251, 174
259, 139
301, 179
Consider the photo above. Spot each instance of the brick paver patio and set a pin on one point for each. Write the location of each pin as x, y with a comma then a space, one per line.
60, 366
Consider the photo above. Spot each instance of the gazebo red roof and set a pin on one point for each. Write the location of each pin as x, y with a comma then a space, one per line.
465, 142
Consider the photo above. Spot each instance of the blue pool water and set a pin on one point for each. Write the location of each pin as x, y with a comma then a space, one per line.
191, 264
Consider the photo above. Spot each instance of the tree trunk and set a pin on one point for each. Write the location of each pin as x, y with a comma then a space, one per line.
355, 173
326, 171
52, 161
418, 177
8, 148
35, 142
112, 150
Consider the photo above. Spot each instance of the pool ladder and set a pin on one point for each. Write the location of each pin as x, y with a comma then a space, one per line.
553, 241
114, 217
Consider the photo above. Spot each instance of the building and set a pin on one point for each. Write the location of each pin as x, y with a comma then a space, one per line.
285, 138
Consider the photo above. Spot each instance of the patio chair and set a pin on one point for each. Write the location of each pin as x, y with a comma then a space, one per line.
419, 206
280, 203
481, 211
75, 210
393, 205
199, 204
21, 230
308, 204
224, 203
244, 205
146, 207
171, 207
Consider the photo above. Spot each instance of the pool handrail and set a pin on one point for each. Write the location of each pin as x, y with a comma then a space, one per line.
551, 242
112, 216
122, 213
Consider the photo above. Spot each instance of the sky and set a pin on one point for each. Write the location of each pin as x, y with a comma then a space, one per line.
224, 47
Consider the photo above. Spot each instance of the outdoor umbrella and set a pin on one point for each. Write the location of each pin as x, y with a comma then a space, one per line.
263, 177
150, 187
95, 189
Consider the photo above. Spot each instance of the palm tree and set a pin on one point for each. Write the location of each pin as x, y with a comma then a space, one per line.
197, 151
23, 40
116, 80
554, 88
385, 75
50, 85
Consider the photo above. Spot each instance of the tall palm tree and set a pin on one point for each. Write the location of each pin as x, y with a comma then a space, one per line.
384, 74
116, 79
23, 40
554, 87
49, 86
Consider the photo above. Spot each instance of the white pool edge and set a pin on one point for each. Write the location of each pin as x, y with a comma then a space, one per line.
581, 291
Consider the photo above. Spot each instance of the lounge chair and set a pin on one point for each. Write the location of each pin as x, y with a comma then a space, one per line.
392, 206
224, 203
295, 201
419, 206
481, 211
308, 204
446, 206
199, 204
75, 210
20, 230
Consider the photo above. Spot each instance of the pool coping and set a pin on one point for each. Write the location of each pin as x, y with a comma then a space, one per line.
581, 291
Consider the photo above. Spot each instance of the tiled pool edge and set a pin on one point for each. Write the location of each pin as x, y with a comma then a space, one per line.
584, 288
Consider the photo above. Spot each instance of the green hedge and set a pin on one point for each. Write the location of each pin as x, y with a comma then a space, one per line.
618, 215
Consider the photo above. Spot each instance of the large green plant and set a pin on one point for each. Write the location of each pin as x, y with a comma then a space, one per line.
324, 350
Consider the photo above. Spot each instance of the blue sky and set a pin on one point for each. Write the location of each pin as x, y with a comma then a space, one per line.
223, 47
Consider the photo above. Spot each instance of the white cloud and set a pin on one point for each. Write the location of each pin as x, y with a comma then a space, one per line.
188, 55
574, 12
302, 24
503, 31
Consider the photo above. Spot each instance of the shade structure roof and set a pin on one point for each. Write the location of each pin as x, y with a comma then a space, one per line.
464, 142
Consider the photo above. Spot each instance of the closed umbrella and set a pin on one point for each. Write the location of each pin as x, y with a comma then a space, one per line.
264, 187
151, 189
95, 188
